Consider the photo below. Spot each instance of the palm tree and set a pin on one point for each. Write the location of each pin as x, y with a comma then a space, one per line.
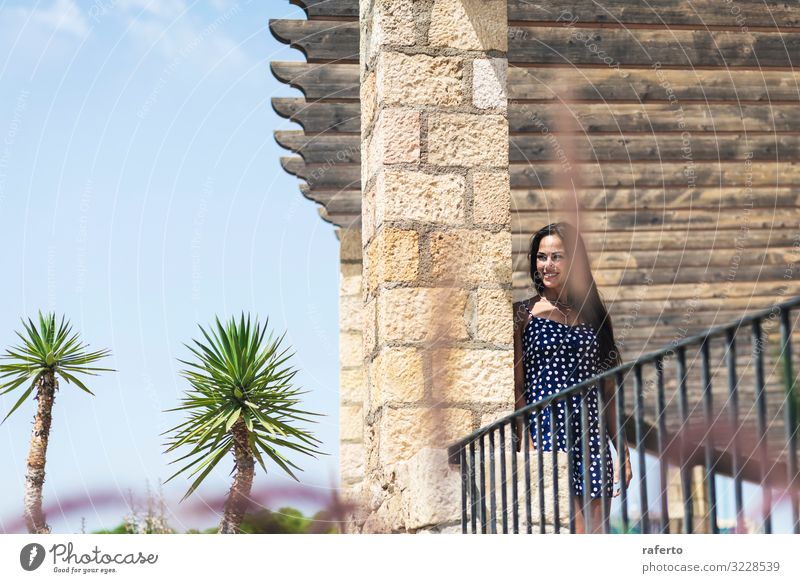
240, 400
46, 351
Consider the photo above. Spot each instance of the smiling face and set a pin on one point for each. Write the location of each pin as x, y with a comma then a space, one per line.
552, 262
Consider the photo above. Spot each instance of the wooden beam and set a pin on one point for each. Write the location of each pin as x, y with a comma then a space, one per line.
331, 116
329, 81
328, 8
657, 199
648, 85
318, 117
689, 275
320, 41
695, 13
584, 148
337, 41
699, 13
649, 175
609, 175
706, 88
679, 259
698, 238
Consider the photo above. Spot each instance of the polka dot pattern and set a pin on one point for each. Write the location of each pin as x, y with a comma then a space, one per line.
556, 357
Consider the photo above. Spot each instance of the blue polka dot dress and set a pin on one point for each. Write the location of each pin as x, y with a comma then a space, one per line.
556, 357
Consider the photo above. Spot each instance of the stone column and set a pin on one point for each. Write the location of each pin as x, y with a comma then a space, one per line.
352, 377
436, 236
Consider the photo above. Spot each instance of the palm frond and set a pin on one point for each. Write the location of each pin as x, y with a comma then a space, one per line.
238, 373
47, 345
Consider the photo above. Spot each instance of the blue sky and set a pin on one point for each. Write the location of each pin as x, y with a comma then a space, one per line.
141, 195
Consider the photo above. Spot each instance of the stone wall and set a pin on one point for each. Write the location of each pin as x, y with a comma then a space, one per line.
437, 329
352, 377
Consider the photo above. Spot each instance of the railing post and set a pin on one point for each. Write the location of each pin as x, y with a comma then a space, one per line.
526, 436
761, 421
644, 520
661, 429
586, 461
710, 463
601, 408
686, 475
619, 397
733, 402
790, 417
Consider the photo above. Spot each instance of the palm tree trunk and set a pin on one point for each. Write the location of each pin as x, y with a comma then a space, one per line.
37, 455
239, 496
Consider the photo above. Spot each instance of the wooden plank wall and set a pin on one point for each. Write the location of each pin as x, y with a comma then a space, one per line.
684, 141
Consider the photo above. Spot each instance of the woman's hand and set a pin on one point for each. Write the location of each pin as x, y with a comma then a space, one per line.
617, 472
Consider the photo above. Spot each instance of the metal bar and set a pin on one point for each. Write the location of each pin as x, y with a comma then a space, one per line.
619, 398
733, 401
554, 448
790, 417
570, 462
761, 423
586, 462
503, 480
482, 457
473, 489
645, 358
514, 478
710, 473
492, 495
601, 408
526, 436
661, 430
685, 470
644, 519
462, 461
540, 467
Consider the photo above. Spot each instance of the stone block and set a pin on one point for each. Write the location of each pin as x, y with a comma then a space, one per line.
431, 489
352, 384
351, 423
419, 80
469, 140
489, 79
397, 375
351, 462
491, 195
418, 196
350, 248
368, 99
495, 317
471, 257
479, 25
464, 375
398, 136
393, 257
351, 350
350, 279
370, 329
350, 313
421, 314
405, 431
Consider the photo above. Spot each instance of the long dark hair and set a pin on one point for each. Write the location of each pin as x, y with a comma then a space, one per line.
581, 290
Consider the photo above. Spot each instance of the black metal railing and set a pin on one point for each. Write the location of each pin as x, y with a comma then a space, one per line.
758, 447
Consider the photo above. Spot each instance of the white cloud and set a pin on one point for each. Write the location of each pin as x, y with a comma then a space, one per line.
181, 35
62, 16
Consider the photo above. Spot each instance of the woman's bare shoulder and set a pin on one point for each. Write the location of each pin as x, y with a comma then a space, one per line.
521, 309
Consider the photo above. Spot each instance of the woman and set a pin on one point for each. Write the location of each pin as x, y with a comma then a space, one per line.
563, 336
